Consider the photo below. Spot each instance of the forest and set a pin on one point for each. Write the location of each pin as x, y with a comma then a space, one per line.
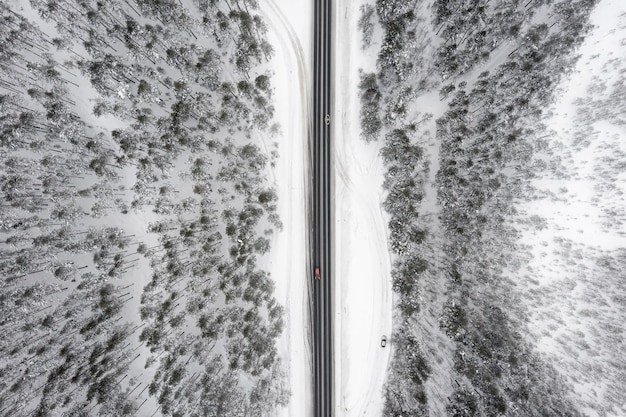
135, 208
464, 344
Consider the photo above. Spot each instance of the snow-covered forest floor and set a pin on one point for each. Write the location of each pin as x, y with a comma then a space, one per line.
572, 244
138, 146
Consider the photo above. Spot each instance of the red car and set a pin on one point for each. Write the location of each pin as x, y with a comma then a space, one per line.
317, 272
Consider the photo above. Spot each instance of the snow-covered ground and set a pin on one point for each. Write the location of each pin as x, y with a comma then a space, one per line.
362, 259
290, 76
134, 223
573, 285
362, 264
289, 33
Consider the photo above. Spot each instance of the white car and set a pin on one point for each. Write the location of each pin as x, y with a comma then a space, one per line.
327, 119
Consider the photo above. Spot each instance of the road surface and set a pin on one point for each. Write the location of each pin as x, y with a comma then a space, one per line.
322, 210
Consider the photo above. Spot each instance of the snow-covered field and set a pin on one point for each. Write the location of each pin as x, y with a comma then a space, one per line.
362, 263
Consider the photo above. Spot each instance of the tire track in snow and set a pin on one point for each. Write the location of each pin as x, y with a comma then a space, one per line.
291, 259
381, 297
365, 288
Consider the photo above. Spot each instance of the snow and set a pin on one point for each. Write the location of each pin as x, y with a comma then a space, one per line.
363, 307
433, 290
133, 223
557, 283
289, 34
362, 260
571, 286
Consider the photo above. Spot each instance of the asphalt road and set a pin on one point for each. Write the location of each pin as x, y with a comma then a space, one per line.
322, 204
